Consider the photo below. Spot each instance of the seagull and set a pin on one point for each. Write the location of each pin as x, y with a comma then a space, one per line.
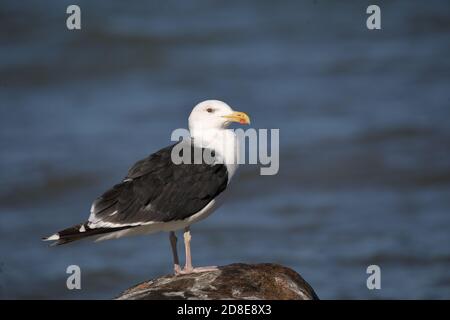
160, 194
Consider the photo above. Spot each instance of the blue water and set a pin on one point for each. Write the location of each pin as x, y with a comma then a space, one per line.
363, 116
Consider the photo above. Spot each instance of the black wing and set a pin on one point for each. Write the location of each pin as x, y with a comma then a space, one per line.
156, 189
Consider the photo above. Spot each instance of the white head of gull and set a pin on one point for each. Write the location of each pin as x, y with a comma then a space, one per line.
208, 125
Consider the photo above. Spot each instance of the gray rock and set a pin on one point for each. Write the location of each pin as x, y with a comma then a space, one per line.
264, 281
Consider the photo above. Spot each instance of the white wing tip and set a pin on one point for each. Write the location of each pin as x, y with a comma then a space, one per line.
52, 237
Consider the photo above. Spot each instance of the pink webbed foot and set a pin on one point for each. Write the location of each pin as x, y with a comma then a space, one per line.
188, 270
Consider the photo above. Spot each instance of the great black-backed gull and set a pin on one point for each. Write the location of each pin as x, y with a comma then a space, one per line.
159, 195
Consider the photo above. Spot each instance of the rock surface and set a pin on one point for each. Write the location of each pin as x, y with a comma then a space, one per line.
235, 281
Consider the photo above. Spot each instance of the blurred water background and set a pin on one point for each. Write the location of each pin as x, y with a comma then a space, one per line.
364, 130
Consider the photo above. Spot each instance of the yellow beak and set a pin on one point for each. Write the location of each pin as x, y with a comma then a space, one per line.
240, 117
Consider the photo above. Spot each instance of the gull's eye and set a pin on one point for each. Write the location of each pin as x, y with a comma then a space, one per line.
210, 110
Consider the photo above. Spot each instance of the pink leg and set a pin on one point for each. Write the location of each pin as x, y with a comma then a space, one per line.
187, 246
188, 266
